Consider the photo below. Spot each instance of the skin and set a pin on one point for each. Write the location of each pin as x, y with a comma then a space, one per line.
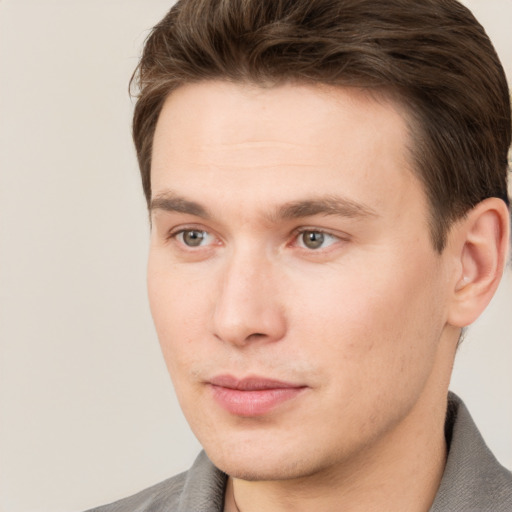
366, 323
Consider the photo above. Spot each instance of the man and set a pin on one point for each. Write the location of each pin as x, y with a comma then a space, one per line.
327, 185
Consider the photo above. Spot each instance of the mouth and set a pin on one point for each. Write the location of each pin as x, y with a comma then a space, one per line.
252, 396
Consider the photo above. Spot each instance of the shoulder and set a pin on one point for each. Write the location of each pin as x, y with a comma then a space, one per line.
162, 496
201, 489
473, 479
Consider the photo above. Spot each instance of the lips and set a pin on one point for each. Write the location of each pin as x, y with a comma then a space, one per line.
252, 396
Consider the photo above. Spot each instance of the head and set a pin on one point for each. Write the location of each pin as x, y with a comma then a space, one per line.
327, 185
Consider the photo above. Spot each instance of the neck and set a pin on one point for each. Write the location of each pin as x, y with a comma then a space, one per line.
400, 472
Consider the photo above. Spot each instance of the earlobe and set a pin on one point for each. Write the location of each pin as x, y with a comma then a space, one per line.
482, 243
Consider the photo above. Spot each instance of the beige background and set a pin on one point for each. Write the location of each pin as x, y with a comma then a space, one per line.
87, 413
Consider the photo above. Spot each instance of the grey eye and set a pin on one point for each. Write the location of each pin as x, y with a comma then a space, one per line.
193, 237
313, 239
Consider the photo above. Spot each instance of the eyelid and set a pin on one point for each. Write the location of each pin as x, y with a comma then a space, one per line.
341, 237
172, 232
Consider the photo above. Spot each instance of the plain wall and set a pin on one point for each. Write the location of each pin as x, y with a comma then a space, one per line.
87, 412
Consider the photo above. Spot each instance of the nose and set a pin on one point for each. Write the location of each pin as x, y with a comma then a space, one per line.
248, 308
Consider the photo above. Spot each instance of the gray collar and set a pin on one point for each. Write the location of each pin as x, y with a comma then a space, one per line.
473, 480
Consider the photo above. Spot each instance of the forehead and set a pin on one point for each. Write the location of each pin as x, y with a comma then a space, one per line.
274, 144
225, 112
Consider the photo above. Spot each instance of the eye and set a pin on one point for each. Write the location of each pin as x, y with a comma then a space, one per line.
194, 237
314, 239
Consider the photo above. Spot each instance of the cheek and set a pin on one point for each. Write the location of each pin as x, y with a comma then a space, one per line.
371, 321
177, 308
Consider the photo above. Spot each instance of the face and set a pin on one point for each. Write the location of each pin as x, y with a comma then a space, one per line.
297, 297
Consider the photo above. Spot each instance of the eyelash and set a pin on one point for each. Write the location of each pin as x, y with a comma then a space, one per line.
174, 234
302, 231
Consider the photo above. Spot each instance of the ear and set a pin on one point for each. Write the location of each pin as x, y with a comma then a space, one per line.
479, 243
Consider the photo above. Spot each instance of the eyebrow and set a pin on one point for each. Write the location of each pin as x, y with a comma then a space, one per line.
171, 202
324, 205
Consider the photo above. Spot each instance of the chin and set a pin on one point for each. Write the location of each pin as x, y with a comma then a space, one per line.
264, 464
263, 470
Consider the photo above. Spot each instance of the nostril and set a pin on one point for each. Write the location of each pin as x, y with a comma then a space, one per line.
256, 335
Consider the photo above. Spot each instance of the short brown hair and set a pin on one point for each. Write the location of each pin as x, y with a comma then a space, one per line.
431, 55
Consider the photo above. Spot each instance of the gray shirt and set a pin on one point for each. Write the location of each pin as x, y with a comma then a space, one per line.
473, 480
